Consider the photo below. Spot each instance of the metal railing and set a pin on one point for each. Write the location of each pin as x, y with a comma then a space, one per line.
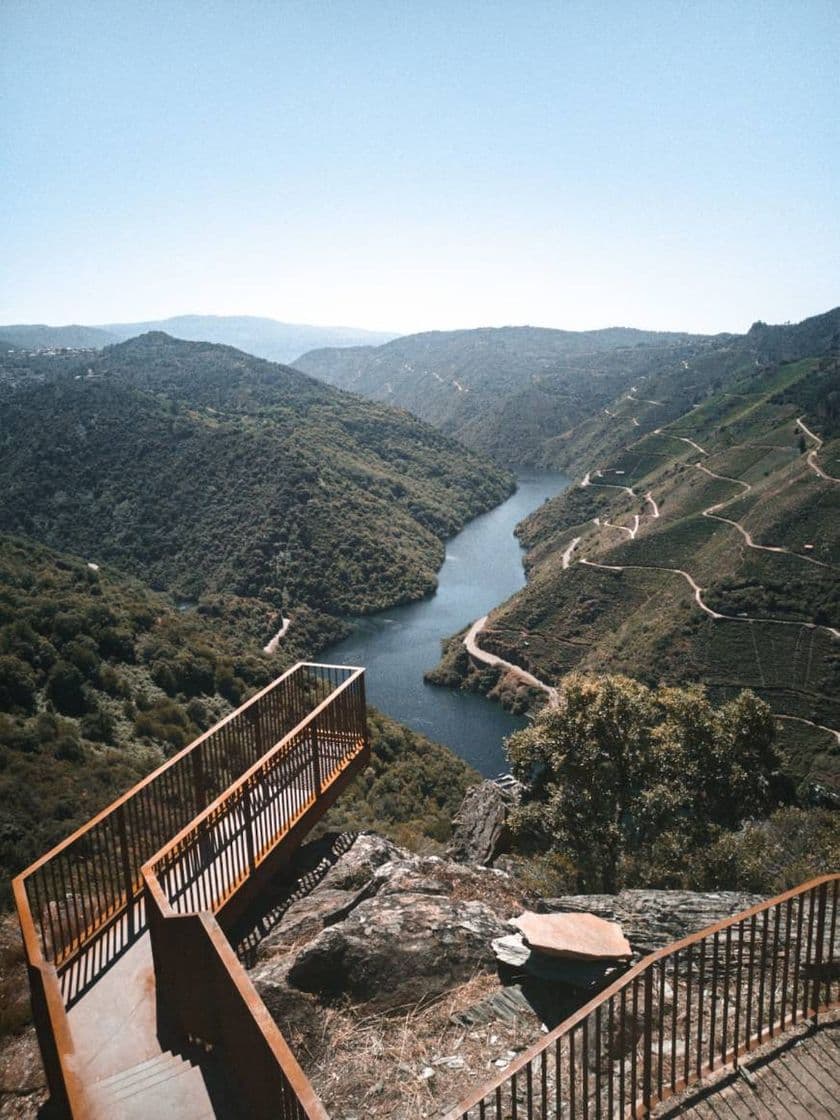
677, 1015
204, 994
309, 727
93, 877
205, 863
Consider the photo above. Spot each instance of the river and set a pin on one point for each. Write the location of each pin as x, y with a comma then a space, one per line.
483, 567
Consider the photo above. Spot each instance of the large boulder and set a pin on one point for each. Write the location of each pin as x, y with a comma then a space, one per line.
481, 829
399, 947
385, 927
651, 919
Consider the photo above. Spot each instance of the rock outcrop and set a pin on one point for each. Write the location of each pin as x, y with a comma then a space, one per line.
652, 919
481, 824
578, 936
387, 928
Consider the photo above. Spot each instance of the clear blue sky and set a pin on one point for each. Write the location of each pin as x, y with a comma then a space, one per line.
423, 164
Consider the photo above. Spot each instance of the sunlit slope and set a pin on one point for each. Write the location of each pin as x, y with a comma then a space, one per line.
208, 472
510, 392
707, 550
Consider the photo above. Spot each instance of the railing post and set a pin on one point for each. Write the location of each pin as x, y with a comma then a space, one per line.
316, 760
125, 863
249, 831
199, 785
818, 956
647, 1056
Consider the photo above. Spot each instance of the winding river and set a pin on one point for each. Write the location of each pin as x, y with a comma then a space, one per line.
483, 567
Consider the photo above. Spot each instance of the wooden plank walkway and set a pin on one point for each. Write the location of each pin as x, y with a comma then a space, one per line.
796, 1077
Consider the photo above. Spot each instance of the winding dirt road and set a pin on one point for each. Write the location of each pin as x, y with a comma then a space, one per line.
474, 650
273, 645
812, 454
711, 512
567, 555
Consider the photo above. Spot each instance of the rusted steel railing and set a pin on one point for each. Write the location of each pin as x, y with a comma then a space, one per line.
204, 994
72, 900
677, 1015
93, 877
205, 863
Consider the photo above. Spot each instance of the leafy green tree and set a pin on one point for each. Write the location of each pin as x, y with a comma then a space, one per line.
66, 689
17, 685
620, 775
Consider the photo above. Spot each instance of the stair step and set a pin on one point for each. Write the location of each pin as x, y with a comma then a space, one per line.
143, 1076
166, 1057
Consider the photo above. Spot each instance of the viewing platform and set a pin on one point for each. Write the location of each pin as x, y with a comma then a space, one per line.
143, 1009
141, 1006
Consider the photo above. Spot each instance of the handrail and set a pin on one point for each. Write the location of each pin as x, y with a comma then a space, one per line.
93, 879
198, 871
665, 1023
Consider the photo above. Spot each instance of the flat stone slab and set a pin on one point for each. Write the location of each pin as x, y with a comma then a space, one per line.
583, 976
583, 937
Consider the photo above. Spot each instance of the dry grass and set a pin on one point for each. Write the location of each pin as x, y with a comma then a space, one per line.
412, 1062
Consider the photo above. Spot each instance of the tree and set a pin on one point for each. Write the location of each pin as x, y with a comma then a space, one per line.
17, 685
66, 689
619, 775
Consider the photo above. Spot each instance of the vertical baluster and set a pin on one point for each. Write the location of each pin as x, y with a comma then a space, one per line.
635, 1052
774, 969
675, 983
610, 1065
762, 976
598, 1029
736, 1045
572, 1073
832, 941
544, 1083
794, 1003
689, 977
724, 1021
660, 1024
701, 1004
647, 1051
713, 1008
584, 1074
622, 1059
558, 1075
785, 964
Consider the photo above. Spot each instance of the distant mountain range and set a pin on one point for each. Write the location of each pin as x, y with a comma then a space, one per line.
505, 391
266, 338
518, 393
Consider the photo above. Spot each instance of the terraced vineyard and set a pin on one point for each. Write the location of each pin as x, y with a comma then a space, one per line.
705, 549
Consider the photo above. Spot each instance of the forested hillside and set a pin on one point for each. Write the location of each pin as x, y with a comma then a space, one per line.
700, 544
546, 398
506, 391
210, 474
100, 678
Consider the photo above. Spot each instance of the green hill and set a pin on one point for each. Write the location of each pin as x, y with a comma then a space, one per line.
509, 391
100, 678
37, 336
209, 473
547, 398
771, 577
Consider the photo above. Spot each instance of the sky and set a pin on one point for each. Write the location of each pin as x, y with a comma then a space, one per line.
412, 164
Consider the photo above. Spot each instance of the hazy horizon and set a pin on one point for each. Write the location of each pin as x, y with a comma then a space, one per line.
408, 168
